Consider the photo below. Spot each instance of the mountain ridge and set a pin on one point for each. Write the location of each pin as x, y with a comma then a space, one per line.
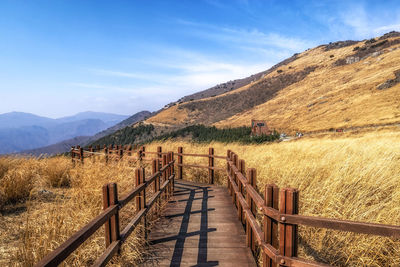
21, 131
343, 84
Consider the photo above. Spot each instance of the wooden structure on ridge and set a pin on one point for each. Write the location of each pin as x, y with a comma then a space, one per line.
259, 127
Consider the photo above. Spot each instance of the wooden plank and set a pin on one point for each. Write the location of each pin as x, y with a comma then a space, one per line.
197, 229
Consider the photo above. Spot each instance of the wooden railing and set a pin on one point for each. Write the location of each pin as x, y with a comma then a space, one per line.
277, 237
127, 152
163, 185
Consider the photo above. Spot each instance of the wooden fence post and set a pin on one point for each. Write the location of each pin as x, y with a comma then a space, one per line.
121, 153
249, 231
164, 174
72, 155
81, 154
173, 171
141, 198
251, 178
211, 165
143, 149
107, 224
240, 186
143, 194
153, 172
156, 168
159, 151
233, 178
288, 204
140, 155
110, 198
271, 199
106, 153
180, 162
113, 195
137, 183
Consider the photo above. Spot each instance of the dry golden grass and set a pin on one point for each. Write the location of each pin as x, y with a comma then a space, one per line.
61, 199
350, 177
331, 97
347, 177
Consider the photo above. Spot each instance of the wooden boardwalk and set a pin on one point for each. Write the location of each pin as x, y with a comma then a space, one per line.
199, 228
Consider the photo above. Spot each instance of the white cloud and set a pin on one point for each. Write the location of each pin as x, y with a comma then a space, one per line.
362, 23
249, 37
386, 28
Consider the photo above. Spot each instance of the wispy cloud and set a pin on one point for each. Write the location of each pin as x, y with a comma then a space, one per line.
251, 37
387, 28
361, 22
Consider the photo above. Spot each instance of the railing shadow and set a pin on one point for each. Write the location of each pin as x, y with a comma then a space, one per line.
183, 234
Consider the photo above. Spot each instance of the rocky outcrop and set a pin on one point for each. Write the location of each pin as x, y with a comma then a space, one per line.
391, 82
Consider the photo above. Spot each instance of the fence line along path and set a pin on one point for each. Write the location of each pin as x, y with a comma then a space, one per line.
204, 224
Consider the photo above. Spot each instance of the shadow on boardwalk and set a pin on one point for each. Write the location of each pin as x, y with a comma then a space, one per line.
198, 228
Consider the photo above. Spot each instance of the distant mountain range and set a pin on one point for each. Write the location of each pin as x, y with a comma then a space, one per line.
21, 131
65, 145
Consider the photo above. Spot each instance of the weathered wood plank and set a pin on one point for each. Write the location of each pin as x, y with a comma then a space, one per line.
199, 228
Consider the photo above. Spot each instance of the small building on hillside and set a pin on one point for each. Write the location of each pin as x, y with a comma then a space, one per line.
259, 127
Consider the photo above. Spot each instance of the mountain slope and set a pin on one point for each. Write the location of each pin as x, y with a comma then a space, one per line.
140, 116
330, 86
351, 87
346, 84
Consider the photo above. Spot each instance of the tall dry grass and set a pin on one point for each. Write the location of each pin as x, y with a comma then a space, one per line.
354, 178
60, 199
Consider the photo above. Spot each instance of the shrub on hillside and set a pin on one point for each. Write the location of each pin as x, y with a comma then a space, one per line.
201, 133
127, 135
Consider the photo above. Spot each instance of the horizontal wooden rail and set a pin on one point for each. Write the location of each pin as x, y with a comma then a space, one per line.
69, 246
200, 155
200, 166
343, 225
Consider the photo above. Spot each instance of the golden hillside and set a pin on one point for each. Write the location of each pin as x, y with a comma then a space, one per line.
322, 88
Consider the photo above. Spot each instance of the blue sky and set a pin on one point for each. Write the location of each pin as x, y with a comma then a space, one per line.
58, 57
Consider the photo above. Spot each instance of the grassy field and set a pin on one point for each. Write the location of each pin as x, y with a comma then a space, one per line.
344, 177
43, 202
